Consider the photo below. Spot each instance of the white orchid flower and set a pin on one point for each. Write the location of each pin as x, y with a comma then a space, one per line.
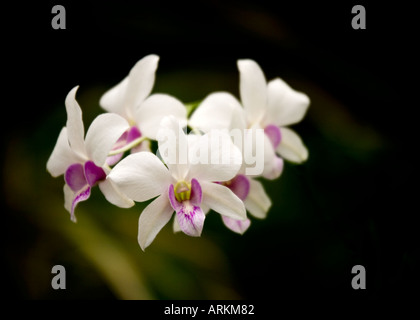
131, 99
82, 160
222, 111
271, 107
185, 185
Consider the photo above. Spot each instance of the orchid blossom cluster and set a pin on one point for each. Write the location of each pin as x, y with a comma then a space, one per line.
209, 160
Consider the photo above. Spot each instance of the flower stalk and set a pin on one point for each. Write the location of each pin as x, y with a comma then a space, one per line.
128, 146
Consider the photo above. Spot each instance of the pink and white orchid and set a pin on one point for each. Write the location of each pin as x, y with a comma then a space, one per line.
82, 160
269, 107
273, 107
184, 185
221, 111
131, 99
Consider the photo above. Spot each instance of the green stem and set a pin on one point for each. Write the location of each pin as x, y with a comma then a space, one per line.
191, 107
127, 147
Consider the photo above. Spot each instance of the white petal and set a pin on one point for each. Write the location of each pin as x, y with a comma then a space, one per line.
222, 200
192, 139
153, 218
141, 81
151, 112
68, 197
173, 146
113, 100
75, 128
253, 89
257, 202
214, 157
175, 226
205, 208
62, 156
238, 119
141, 176
291, 146
114, 195
286, 106
257, 152
102, 135
215, 112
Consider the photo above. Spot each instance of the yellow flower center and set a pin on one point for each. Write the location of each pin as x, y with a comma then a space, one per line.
182, 191
226, 183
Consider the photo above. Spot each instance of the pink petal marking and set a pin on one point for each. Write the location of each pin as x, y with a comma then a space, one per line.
82, 195
121, 142
80, 178
128, 136
237, 226
190, 219
111, 160
75, 177
93, 173
239, 185
133, 134
274, 134
176, 205
196, 193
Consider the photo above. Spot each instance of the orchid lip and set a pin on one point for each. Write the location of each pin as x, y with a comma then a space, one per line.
190, 219
78, 175
185, 199
80, 178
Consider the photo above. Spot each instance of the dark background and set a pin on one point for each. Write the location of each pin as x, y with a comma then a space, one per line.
353, 202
